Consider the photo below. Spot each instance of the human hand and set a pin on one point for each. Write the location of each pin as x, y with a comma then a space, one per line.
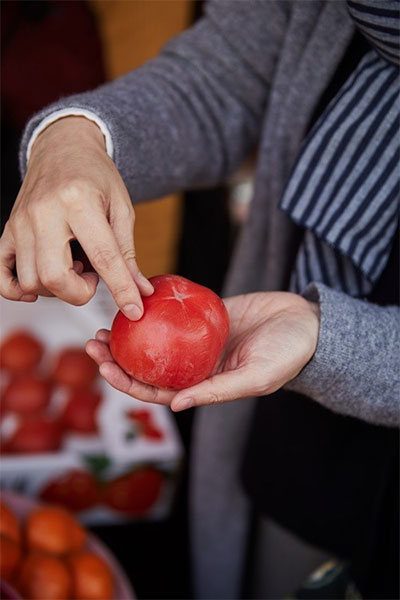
72, 190
272, 336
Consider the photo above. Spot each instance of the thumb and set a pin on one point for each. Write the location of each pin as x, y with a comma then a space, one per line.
223, 387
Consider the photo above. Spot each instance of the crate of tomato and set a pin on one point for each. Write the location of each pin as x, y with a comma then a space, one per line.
66, 436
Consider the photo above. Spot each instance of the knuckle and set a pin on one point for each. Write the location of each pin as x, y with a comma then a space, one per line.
51, 279
122, 290
129, 255
8, 295
15, 223
103, 257
37, 208
8, 292
153, 394
73, 194
214, 398
28, 286
80, 300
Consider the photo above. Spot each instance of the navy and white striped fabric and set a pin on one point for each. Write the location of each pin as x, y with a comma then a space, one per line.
378, 20
345, 186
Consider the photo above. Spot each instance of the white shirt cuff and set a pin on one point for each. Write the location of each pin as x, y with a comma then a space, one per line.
75, 112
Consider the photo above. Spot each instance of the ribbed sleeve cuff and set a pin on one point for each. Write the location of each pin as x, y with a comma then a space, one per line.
355, 369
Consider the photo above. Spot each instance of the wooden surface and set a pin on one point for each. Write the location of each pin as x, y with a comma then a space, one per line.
132, 32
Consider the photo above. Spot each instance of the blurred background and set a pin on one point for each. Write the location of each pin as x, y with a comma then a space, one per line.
55, 48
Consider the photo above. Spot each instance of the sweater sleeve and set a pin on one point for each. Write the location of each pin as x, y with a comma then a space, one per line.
355, 370
190, 116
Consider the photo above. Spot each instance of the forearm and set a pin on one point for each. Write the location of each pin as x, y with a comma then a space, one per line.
190, 116
355, 369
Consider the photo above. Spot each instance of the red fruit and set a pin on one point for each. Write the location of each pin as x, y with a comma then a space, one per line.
10, 555
178, 340
75, 490
44, 577
74, 368
80, 413
152, 432
91, 576
36, 434
9, 524
139, 415
26, 394
20, 351
53, 530
135, 493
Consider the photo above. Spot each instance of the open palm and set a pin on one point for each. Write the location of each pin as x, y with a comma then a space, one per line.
272, 337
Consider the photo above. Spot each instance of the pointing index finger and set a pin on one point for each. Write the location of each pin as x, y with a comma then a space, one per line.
97, 239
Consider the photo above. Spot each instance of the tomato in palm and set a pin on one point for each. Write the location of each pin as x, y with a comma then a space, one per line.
178, 340
74, 368
26, 394
80, 413
135, 493
20, 351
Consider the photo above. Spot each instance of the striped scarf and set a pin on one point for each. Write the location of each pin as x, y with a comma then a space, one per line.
345, 186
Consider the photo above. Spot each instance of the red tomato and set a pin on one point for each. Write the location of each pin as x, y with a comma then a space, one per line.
152, 432
20, 351
143, 419
91, 575
36, 434
135, 493
178, 340
80, 413
44, 577
10, 556
138, 415
9, 523
26, 394
75, 368
75, 490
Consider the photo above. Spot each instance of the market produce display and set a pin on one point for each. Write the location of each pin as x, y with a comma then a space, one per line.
49, 397
35, 384
47, 555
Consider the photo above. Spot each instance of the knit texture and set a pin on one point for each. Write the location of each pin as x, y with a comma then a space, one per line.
347, 358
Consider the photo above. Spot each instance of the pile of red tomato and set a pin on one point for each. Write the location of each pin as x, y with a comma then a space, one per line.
47, 556
30, 388
28, 396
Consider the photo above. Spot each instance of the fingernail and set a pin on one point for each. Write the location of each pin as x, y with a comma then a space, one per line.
28, 298
132, 311
183, 404
146, 282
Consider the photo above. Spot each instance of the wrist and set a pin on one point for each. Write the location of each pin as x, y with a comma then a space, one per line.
74, 129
